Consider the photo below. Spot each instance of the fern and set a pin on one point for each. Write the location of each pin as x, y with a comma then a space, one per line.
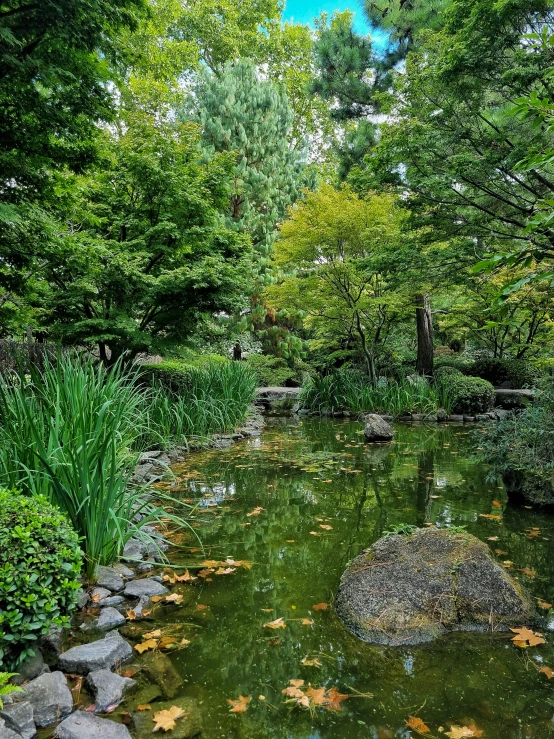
5, 687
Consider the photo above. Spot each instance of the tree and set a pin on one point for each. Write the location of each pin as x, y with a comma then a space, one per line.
425, 345
144, 259
241, 114
344, 255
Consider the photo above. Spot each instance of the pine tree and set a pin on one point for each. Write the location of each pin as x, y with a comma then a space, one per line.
240, 112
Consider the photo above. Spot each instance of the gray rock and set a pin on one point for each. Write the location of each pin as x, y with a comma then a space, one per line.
113, 600
108, 688
188, 726
143, 603
124, 571
409, 589
50, 698
110, 618
108, 578
102, 654
82, 599
456, 418
142, 471
82, 725
159, 670
19, 718
31, 668
147, 586
147, 456
53, 641
376, 429
442, 415
501, 413
469, 419
133, 551
481, 417
6, 732
99, 594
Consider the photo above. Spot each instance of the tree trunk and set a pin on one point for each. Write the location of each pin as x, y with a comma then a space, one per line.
425, 349
368, 353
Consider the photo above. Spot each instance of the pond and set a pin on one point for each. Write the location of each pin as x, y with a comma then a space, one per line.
298, 504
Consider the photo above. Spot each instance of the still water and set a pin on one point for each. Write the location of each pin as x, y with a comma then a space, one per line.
317, 496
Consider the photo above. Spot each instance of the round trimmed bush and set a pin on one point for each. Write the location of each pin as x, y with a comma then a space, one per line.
519, 373
470, 395
443, 372
40, 562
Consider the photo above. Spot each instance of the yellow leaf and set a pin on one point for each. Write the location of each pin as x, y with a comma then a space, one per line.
320, 607
325, 526
492, 517
548, 672
544, 604
144, 707
459, 732
314, 662
153, 634
174, 598
165, 720
296, 683
240, 705
131, 615
146, 645
279, 623
307, 622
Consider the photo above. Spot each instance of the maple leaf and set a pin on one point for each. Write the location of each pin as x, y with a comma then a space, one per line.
548, 672
165, 720
240, 705
187, 577
210, 564
184, 642
153, 634
527, 571
314, 662
307, 622
157, 598
255, 512
167, 642
296, 683
524, 638
316, 696
415, 723
496, 504
292, 692
491, 516
544, 604
174, 598
146, 645
279, 623
325, 526
459, 732
320, 607
333, 700
204, 573
144, 707
131, 615
225, 570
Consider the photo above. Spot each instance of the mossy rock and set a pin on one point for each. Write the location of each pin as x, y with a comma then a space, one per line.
411, 589
527, 487
160, 670
188, 726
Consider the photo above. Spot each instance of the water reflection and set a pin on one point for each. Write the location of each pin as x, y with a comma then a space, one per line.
326, 496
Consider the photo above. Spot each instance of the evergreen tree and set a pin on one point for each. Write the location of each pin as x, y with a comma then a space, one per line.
241, 113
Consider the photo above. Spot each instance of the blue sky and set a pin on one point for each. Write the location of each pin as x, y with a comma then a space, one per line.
303, 11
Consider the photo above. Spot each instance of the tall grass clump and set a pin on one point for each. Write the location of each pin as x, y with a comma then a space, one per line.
351, 390
193, 402
69, 432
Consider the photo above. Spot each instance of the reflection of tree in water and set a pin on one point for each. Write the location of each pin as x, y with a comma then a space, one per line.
233, 653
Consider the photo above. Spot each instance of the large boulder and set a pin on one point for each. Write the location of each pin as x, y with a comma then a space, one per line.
409, 589
49, 697
108, 688
529, 488
377, 429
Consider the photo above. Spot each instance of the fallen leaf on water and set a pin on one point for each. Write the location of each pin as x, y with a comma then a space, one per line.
131, 615
548, 672
325, 526
320, 607
279, 623
144, 707
167, 643
315, 533
297, 683
201, 607
185, 642
491, 516
146, 645
544, 604
131, 672
306, 622
316, 696
415, 723
334, 699
459, 732
153, 634
493, 538
527, 571
165, 720
157, 598
210, 564
499, 551
240, 705
496, 504
225, 570
524, 638
255, 512
314, 662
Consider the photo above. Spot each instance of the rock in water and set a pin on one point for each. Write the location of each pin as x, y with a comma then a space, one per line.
377, 429
99, 655
410, 589
50, 698
82, 725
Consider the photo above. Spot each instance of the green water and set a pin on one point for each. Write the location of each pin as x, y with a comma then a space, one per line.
309, 473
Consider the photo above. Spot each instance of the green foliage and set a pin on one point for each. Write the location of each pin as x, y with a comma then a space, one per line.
351, 390
188, 402
272, 371
5, 687
444, 372
67, 433
520, 373
400, 529
40, 562
469, 395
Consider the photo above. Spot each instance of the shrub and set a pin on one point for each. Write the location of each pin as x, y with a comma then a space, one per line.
67, 433
7, 688
40, 561
469, 395
519, 373
442, 372
272, 371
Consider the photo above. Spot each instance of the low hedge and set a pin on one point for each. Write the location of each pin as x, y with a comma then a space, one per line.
470, 395
40, 562
272, 371
520, 373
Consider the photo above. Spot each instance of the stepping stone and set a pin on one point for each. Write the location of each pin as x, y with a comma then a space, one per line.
112, 600
6, 732
110, 579
82, 725
124, 571
110, 618
98, 655
49, 697
108, 688
99, 594
148, 587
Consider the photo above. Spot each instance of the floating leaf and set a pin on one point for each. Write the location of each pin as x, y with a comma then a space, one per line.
527, 571
325, 526
255, 512
313, 662
334, 699
496, 504
320, 607
459, 732
415, 723
307, 622
144, 707
165, 720
153, 634
548, 672
146, 645
524, 638
491, 516
240, 705
131, 615
544, 604
279, 623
